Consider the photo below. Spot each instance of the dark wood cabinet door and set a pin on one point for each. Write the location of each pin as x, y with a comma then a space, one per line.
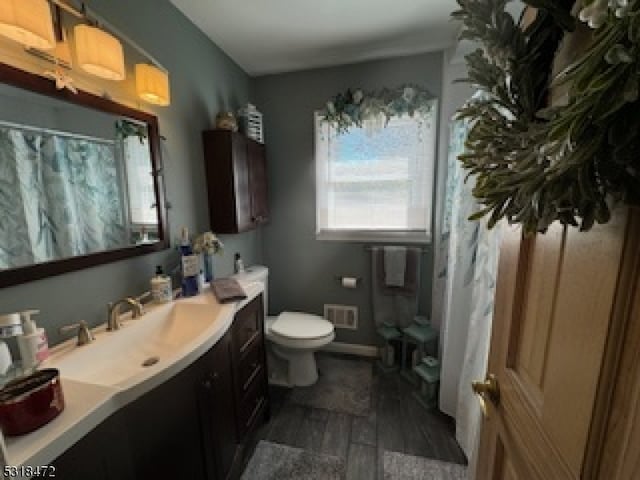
217, 413
164, 429
242, 183
236, 181
257, 160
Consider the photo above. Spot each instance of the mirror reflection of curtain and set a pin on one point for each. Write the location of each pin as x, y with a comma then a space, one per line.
59, 197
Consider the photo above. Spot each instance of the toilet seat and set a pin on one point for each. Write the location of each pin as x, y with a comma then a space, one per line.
301, 326
312, 331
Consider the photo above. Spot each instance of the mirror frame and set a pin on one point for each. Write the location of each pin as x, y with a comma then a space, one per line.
31, 82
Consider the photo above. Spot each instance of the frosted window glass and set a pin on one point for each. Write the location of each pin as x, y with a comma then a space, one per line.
142, 198
376, 180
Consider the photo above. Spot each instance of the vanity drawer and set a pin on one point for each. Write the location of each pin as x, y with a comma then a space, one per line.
250, 368
247, 327
252, 405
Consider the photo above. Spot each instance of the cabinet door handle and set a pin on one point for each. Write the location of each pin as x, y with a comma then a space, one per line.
256, 409
251, 339
255, 369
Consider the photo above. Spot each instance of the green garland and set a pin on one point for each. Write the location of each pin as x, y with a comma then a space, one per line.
537, 165
127, 128
353, 107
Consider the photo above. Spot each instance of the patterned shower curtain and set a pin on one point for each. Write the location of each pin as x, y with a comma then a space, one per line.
60, 196
464, 287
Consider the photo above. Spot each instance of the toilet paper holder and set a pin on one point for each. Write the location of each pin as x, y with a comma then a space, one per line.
347, 281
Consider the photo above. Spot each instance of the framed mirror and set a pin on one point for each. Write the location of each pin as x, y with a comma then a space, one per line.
80, 180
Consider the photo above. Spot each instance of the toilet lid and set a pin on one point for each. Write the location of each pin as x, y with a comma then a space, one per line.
303, 326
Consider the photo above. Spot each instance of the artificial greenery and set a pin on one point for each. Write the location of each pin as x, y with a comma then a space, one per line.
127, 128
536, 165
354, 107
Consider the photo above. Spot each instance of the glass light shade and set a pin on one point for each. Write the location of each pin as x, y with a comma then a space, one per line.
99, 53
152, 85
28, 22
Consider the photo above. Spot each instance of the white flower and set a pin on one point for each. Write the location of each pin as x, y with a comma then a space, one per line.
208, 243
596, 13
408, 94
331, 108
358, 96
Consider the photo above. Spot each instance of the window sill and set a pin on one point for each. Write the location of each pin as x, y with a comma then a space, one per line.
418, 238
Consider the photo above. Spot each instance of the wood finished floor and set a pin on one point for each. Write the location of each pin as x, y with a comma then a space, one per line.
396, 423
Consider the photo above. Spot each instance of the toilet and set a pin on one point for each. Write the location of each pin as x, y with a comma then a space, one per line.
292, 338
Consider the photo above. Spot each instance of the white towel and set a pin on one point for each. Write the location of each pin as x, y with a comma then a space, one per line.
395, 262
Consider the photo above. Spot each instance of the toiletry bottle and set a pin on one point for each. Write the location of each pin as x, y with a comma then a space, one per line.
201, 281
190, 266
33, 344
238, 264
161, 286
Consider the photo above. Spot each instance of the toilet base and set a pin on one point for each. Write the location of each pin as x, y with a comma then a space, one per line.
291, 367
303, 371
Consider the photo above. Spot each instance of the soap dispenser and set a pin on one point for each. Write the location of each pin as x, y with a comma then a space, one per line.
33, 344
10, 326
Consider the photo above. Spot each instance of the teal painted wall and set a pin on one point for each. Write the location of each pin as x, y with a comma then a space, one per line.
302, 269
203, 80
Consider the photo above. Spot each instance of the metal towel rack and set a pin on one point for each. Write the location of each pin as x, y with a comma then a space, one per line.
370, 248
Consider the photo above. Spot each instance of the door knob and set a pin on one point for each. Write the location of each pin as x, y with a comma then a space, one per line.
487, 390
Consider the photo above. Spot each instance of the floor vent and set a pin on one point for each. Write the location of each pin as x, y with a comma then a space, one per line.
342, 316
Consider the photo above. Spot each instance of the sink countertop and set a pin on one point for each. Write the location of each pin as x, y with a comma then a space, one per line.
88, 404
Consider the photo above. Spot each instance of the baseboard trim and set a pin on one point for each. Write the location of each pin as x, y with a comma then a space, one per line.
370, 351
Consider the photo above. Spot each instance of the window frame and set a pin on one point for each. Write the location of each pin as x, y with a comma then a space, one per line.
421, 237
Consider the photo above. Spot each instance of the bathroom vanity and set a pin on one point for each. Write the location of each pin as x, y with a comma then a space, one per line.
193, 417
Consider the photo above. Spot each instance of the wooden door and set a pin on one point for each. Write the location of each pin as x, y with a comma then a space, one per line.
559, 303
217, 414
258, 182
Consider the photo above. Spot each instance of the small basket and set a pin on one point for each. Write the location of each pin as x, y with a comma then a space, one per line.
251, 123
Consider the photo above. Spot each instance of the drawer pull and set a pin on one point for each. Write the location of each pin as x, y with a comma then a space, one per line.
256, 369
256, 409
250, 341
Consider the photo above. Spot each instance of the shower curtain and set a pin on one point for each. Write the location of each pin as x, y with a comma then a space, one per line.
464, 286
60, 196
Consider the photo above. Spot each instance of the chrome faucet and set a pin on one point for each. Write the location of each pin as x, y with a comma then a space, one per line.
113, 317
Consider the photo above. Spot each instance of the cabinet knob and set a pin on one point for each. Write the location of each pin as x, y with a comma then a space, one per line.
207, 384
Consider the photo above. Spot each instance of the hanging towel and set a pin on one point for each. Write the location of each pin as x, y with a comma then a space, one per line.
395, 262
411, 279
395, 306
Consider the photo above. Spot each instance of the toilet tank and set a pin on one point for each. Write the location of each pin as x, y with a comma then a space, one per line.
257, 273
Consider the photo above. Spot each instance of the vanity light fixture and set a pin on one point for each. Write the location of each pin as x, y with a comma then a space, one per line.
99, 53
152, 84
28, 22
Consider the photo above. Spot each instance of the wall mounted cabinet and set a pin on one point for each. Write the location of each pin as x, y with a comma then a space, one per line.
198, 425
236, 180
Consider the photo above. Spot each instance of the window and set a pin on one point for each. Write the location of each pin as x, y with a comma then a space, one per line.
142, 198
375, 184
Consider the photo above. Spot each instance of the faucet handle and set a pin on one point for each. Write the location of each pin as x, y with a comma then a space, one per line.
137, 308
84, 333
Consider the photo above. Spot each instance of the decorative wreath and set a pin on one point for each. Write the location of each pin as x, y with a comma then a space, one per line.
536, 164
354, 107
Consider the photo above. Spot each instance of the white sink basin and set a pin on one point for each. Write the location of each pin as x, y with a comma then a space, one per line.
141, 346
100, 378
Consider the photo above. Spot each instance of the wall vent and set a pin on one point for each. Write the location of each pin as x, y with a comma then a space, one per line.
342, 316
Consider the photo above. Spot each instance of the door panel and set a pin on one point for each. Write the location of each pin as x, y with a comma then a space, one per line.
554, 304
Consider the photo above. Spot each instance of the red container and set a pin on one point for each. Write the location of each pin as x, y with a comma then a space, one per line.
30, 402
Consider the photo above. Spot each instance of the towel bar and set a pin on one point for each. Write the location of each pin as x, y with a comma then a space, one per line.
369, 248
